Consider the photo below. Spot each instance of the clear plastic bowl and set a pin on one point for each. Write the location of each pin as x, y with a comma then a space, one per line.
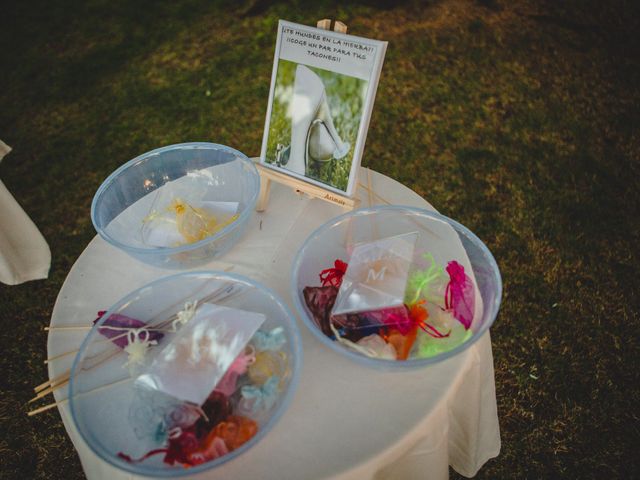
101, 391
225, 174
331, 241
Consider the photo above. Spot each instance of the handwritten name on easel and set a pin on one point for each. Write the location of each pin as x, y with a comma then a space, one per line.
300, 186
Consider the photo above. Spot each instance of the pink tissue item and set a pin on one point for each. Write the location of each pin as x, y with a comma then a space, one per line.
397, 317
122, 322
227, 384
460, 295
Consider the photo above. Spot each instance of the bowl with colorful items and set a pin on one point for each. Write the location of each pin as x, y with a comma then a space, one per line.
177, 206
185, 373
396, 286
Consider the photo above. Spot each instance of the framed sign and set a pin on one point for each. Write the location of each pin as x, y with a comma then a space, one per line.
323, 87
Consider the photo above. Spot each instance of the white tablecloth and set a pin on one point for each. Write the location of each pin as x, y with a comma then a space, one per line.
346, 421
24, 253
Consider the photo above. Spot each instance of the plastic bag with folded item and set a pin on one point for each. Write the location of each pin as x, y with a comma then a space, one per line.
374, 283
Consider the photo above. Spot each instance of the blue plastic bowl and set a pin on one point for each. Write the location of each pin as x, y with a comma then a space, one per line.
229, 176
101, 391
331, 241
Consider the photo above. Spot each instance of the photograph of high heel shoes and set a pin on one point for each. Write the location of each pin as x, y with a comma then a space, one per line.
314, 122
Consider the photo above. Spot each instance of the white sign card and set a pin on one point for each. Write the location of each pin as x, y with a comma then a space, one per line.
323, 87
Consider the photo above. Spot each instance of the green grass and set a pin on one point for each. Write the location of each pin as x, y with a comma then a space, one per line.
520, 119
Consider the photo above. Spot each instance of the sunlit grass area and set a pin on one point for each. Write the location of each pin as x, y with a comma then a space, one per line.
517, 118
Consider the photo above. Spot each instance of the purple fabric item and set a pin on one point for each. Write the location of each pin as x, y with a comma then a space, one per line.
460, 295
122, 321
320, 301
397, 317
354, 326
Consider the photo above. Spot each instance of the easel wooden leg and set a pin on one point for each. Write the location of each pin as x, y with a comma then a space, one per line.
268, 175
263, 196
339, 27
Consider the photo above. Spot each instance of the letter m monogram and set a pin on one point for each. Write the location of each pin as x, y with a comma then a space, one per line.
374, 276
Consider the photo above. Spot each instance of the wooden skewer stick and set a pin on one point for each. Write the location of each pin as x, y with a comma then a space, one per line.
57, 382
46, 407
106, 340
88, 327
369, 187
64, 378
384, 200
68, 327
371, 193
71, 352
105, 327
375, 194
376, 233
56, 404
211, 297
52, 382
42, 385
60, 355
47, 391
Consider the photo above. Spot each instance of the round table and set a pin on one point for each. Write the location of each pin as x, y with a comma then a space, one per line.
345, 420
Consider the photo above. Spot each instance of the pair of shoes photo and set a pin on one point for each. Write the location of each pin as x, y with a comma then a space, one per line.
313, 134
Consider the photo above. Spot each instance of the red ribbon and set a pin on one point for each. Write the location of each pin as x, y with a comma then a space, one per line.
127, 458
419, 315
333, 276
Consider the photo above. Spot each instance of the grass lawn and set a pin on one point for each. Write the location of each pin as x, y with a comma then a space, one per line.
520, 119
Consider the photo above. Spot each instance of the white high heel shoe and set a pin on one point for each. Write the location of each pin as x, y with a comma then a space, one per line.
313, 135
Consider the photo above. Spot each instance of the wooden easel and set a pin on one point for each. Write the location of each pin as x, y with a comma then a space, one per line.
268, 175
